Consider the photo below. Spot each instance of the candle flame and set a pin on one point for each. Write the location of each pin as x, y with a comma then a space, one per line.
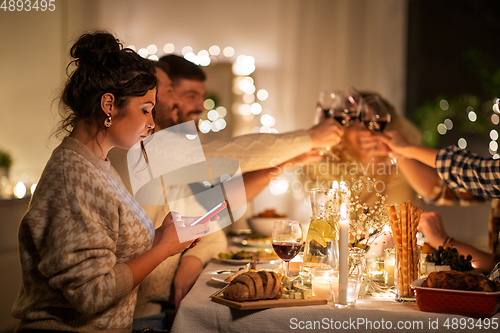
335, 185
343, 211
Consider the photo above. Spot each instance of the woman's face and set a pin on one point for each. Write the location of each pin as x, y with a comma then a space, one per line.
135, 121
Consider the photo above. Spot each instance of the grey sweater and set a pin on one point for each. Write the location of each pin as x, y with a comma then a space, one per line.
82, 225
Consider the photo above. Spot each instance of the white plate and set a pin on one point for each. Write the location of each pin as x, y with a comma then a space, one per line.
262, 242
245, 261
220, 278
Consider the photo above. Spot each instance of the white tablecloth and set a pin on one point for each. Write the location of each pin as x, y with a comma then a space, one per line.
197, 313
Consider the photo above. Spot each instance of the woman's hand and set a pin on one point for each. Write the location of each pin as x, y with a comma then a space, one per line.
370, 144
395, 142
327, 133
175, 229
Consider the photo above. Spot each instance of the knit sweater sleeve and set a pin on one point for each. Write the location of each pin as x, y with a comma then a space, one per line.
260, 151
75, 232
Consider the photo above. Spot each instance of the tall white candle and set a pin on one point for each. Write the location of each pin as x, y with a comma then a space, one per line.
343, 254
336, 197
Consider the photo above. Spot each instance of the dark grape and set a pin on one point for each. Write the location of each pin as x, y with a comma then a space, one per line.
450, 257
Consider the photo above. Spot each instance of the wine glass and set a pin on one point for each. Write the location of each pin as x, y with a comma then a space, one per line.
331, 103
376, 117
287, 240
353, 104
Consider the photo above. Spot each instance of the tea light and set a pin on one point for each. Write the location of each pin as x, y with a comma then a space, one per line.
321, 287
322, 282
389, 266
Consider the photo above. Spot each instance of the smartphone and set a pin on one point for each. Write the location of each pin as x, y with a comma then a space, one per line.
211, 213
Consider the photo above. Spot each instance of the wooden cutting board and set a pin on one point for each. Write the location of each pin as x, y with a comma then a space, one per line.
268, 303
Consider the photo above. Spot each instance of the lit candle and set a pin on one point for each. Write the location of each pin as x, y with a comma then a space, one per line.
336, 197
343, 254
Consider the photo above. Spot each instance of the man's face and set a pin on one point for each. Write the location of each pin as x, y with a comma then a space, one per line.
165, 101
190, 95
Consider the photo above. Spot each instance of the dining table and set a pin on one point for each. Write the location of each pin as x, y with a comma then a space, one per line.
371, 313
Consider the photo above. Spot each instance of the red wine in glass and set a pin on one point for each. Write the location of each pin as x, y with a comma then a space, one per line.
327, 113
287, 250
287, 240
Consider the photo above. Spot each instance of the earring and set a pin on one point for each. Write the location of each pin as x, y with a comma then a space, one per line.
107, 121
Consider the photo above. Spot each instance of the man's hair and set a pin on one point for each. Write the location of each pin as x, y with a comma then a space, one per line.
163, 65
180, 68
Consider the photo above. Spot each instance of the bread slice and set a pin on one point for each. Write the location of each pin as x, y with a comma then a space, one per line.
267, 282
277, 287
259, 288
248, 281
236, 292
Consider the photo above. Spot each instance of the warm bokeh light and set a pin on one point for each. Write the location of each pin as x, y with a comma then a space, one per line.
132, 47
169, 48
209, 104
222, 111
495, 119
278, 186
256, 108
205, 126
266, 120
493, 135
214, 50
462, 143
213, 115
443, 104
153, 57
495, 106
152, 49
228, 52
143, 52
244, 110
215, 127
472, 116
222, 123
262, 94
248, 98
493, 146
186, 50
448, 123
441, 128
20, 190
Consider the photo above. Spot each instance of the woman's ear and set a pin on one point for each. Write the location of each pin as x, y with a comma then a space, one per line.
108, 103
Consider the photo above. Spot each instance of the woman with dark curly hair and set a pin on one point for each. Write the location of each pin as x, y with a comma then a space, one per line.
85, 244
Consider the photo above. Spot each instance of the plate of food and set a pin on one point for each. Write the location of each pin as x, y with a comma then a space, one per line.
457, 292
257, 241
244, 256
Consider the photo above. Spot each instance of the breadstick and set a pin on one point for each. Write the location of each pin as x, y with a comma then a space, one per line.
396, 234
415, 220
403, 214
411, 244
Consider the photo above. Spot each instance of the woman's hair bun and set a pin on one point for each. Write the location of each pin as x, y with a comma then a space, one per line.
94, 47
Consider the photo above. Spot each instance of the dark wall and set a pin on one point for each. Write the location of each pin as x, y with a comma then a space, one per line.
440, 35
